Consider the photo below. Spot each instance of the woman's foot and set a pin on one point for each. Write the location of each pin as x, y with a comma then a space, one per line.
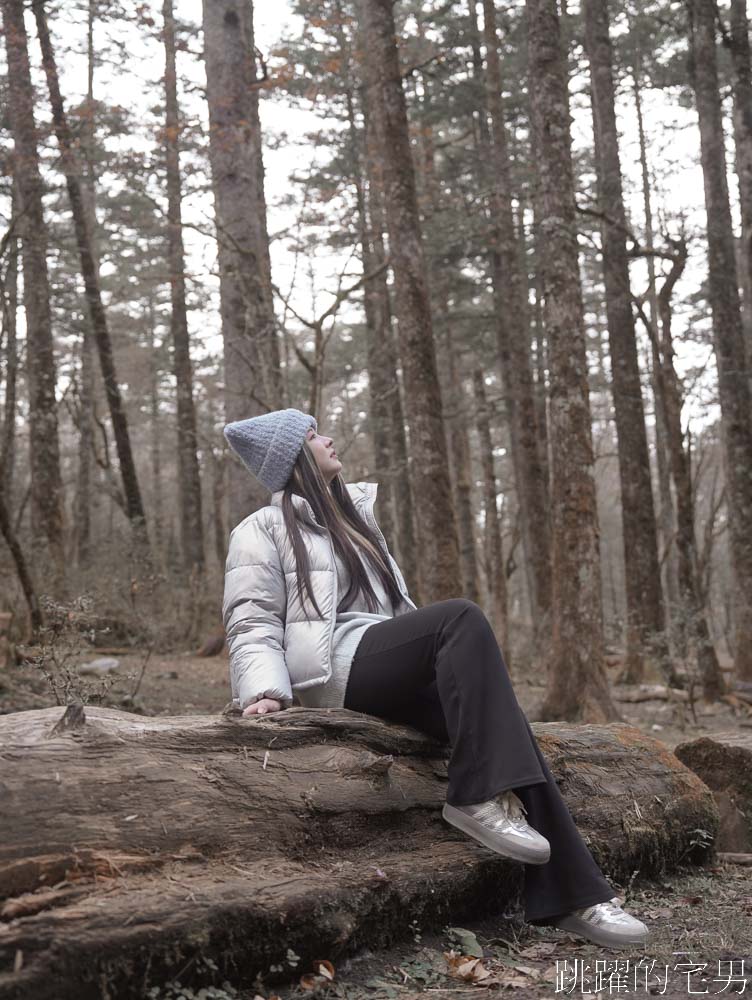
606, 924
501, 825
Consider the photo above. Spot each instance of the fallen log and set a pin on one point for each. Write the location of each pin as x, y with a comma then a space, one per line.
651, 692
135, 849
724, 762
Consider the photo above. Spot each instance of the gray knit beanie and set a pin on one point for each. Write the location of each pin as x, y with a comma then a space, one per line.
269, 444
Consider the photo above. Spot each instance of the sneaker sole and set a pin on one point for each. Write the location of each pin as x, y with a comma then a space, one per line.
600, 936
478, 832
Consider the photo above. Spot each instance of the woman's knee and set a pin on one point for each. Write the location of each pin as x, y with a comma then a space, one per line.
456, 606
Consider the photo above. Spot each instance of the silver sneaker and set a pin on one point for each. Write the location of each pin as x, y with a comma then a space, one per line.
501, 825
606, 924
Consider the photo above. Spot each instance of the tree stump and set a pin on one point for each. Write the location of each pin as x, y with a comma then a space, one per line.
724, 762
133, 847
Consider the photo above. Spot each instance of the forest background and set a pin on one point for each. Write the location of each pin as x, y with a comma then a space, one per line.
326, 217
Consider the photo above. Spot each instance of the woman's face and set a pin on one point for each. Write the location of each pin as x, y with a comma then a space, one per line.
323, 451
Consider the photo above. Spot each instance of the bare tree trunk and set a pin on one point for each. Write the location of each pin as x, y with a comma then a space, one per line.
738, 42
22, 570
252, 374
401, 492
87, 386
733, 381
387, 425
513, 346
454, 402
577, 687
47, 507
493, 549
133, 504
436, 527
666, 518
9, 328
189, 479
645, 627
155, 439
693, 610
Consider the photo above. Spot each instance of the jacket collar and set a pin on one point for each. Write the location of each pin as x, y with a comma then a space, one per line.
360, 493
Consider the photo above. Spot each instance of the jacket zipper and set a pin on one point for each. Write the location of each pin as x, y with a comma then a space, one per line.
334, 606
375, 525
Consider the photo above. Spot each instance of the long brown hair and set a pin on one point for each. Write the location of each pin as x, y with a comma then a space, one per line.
350, 534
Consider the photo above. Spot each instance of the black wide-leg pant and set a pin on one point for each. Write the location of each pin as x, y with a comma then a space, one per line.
440, 669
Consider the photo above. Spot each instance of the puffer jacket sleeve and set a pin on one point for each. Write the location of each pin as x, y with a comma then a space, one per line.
253, 611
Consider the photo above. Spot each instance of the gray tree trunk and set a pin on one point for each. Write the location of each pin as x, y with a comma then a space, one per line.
738, 43
577, 686
189, 479
728, 338
666, 517
645, 625
47, 510
510, 286
378, 292
132, 502
251, 351
436, 528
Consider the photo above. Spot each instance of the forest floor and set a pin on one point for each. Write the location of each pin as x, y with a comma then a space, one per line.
700, 918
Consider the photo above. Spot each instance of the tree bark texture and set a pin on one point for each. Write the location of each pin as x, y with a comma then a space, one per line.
47, 515
692, 611
9, 336
645, 626
131, 845
510, 288
454, 399
251, 352
578, 686
378, 290
728, 339
436, 527
738, 43
666, 517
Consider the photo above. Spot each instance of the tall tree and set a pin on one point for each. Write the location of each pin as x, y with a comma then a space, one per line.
737, 40
728, 338
693, 611
666, 518
578, 686
510, 287
645, 610
454, 400
87, 381
251, 350
9, 336
191, 523
132, 501
44, 451
386, 419
436, 528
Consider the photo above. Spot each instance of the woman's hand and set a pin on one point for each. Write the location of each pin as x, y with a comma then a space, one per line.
263, 706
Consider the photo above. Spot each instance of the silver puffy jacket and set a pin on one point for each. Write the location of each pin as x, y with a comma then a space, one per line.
274, 650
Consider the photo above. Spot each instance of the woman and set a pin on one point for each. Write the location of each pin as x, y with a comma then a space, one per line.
356, 640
